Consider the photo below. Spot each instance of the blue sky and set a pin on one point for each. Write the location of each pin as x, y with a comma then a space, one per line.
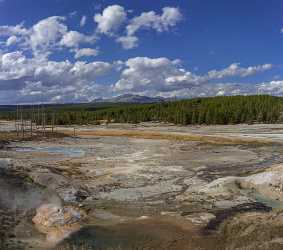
77, 51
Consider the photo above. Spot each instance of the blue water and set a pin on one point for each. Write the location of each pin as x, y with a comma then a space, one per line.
68, 151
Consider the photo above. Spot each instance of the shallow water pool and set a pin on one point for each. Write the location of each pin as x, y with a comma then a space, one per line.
67, 151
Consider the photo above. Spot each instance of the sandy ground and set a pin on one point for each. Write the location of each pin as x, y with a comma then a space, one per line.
132, 180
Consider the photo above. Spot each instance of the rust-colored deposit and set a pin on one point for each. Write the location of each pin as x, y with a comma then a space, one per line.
166, 136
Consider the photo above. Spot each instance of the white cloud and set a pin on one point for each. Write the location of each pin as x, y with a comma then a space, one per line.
85, 52
128, 42
45, 37
52, 33
83, 21
207, 89
150, 20
74, 39
18, 30
111, 19
36, 79
184, 78
235, 70
11, 40
33, 79
271, 88
162, 75
143, 73
46, 34
14, 66
33, 76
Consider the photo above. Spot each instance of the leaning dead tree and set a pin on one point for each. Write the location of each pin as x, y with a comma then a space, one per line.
30, 121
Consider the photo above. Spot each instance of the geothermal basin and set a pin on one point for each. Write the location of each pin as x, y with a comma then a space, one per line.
144, 186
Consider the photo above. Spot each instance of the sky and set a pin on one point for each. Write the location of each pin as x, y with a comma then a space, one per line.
67, 51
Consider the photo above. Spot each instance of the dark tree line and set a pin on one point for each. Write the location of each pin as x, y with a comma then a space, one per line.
214, 110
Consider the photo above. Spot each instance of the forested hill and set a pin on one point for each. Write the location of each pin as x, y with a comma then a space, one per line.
214, 110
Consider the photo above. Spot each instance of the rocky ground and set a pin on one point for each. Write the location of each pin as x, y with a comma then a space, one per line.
123, 191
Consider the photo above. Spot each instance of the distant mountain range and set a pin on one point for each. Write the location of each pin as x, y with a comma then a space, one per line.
129, 98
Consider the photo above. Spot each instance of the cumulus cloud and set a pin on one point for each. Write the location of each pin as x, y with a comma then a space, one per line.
169, 18
235, 70
13, 34
268, 88
150, 20
113, 16
17, 30
11, 40
45, 37
128, 42
52, 33
74, 39
111, 19
35, 91
46, 33
164, 75
36, 78
143, 73
271, 88
85, 52
27, 74
14, 66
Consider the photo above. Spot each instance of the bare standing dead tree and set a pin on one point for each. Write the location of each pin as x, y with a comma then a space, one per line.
28, 120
